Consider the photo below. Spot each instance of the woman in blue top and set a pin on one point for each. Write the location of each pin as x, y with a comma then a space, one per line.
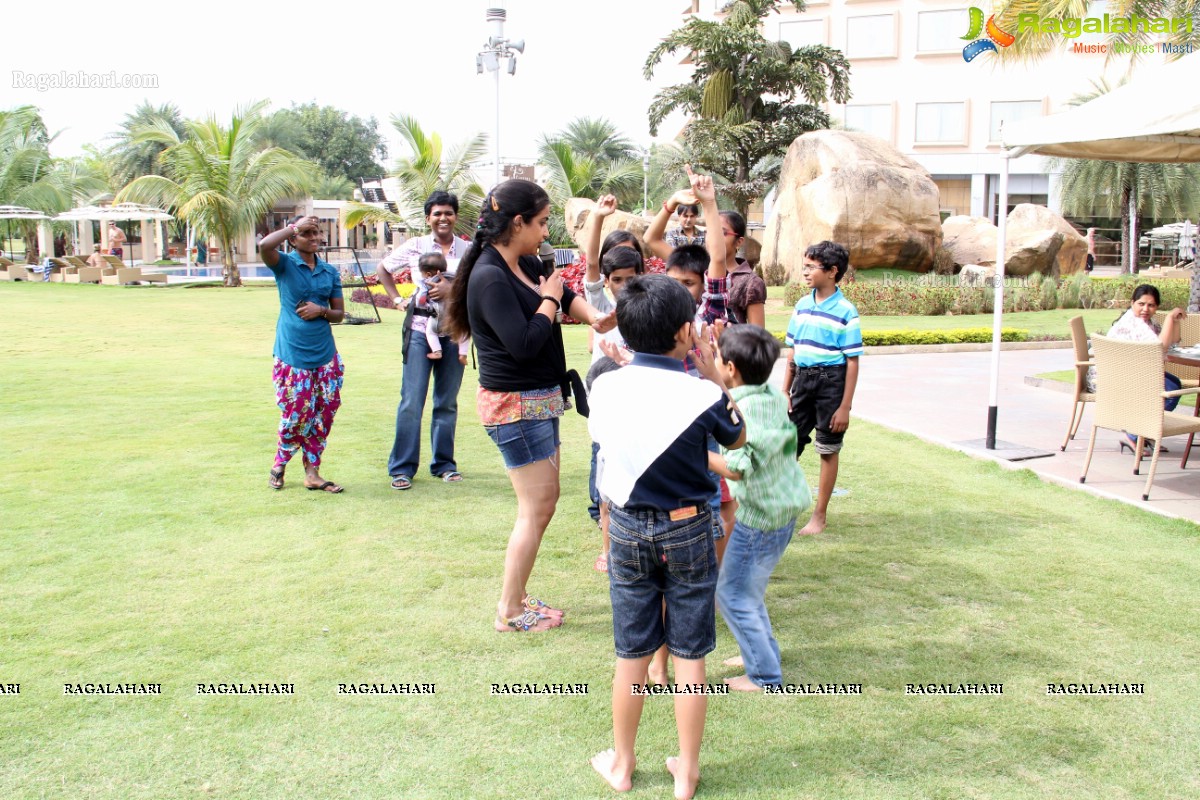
308, 370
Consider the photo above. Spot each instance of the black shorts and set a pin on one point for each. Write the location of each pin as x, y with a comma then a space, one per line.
816, 393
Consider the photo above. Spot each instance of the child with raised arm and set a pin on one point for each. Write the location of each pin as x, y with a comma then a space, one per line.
821, 375
654, 475
771, 492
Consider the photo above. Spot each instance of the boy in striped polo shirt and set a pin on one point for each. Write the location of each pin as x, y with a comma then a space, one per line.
826, 341
769, 486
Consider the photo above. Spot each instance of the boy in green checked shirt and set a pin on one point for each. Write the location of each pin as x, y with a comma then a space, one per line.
767, 482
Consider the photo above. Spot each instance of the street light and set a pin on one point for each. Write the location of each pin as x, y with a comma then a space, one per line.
494, 51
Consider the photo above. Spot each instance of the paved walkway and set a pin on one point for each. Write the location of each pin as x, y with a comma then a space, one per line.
943, 398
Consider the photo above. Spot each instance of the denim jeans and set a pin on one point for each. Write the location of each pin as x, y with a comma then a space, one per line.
593, 493
651, 559
447, 378
750, 557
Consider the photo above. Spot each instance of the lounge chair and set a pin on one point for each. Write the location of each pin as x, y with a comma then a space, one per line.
1129, 397
84, 275
1082, 362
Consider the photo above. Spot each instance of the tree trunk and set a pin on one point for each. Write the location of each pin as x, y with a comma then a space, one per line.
166, 241
233, 277
1194, 295
1125, 257
1133, 233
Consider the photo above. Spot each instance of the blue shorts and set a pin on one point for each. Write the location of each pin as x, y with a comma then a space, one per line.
652, 558
525, 441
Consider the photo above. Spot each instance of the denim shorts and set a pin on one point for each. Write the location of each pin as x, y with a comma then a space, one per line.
816, 393
652, 558
525, 441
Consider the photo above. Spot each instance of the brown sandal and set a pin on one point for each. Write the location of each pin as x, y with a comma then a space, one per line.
276, 479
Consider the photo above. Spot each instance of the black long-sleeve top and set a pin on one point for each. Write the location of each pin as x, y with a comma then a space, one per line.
518, 348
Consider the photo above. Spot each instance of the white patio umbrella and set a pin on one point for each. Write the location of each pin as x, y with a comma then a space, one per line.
1144, 119
1187, 241
121, 212
18, 212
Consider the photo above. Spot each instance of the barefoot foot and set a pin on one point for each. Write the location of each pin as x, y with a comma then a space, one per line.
736, 661
619, 776
685, 779
816, 524
742, 683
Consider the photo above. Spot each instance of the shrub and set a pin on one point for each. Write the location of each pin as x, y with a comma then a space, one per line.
773, 274
1049, 295
943, 262
956, 336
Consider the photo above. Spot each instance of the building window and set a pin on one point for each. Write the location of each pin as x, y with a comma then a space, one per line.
802, 33
941, 31
871, 37
1005, 112
941, 123
873, 119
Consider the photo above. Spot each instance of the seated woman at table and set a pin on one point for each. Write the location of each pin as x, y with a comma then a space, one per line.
1137, 325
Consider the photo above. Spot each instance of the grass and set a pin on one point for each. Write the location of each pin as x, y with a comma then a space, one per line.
140, 543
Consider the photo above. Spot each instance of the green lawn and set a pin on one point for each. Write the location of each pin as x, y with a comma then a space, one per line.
139, 543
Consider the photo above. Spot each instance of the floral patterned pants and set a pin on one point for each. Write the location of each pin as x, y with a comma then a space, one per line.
307, 399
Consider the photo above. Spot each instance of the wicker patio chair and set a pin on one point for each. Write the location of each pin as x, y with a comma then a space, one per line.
1129, 397
1082, 362
1189, 335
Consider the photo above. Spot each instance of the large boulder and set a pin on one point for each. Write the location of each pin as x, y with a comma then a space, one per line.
859, 191
1032, 241
578, 209
970, 240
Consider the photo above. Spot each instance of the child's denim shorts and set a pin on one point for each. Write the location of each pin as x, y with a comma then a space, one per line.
651, 558
525, 441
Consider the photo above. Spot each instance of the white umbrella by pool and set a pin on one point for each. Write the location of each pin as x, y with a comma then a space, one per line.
1187, 241
121, 212
19, 212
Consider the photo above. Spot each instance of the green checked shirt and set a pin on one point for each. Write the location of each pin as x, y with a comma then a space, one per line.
772, 491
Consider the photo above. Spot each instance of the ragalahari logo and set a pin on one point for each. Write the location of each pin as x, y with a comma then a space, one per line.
995, 36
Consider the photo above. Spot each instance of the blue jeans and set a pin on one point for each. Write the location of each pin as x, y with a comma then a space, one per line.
447, 378
654, 559
750, 557
1172, 384
593, 493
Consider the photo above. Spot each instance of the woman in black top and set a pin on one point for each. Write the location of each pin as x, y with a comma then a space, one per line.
502, 297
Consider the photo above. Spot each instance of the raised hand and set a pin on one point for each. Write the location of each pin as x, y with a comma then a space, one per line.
605, 206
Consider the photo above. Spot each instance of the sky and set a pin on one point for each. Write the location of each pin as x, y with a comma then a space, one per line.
374, 59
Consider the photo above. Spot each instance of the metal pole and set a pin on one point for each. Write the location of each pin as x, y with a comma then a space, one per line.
998, 305
496, 182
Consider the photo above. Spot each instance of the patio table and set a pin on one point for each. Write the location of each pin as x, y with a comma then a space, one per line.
1187, 357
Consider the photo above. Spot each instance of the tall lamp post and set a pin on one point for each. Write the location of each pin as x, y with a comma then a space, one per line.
496, 50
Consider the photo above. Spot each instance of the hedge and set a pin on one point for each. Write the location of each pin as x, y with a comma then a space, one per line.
931, 296
954, 336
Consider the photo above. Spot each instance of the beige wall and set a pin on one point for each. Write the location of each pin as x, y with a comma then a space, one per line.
955, 195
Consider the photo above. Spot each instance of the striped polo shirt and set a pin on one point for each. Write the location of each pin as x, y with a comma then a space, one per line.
824, 334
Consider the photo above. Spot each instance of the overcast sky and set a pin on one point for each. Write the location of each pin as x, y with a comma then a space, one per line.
582, 58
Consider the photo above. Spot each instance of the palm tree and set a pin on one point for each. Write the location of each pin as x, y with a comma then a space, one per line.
30, 177
219, 178
570, 174
742, 98
129, 159
1030, 46
1125, 189
598, 138
427, 169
